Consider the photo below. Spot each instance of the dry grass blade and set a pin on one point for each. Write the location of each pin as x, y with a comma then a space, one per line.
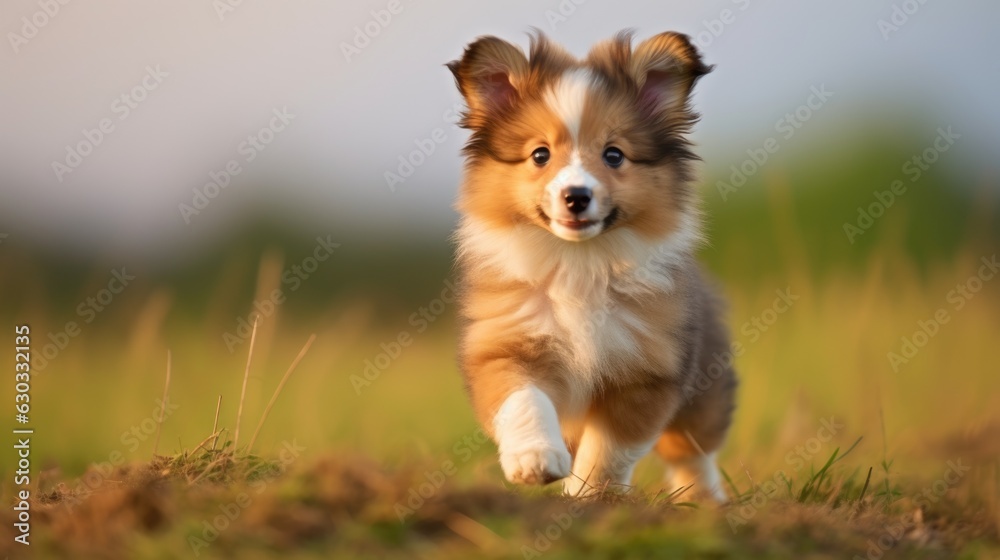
753, 485
163, 406
694, 443
208, 468
281, 385
203, 443
586, 485
243, 392
215, 425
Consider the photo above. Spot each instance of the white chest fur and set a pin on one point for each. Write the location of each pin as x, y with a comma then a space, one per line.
586, 323
577, 287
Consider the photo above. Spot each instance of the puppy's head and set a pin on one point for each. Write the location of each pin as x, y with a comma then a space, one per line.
579, 147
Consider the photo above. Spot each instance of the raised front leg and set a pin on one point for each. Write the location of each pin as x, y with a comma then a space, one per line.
532, 450
512, 406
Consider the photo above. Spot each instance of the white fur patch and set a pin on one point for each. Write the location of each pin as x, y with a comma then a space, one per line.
567, 97
530, 442
572, 175
575, 280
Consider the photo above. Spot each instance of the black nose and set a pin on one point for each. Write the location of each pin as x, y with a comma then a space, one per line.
577, 198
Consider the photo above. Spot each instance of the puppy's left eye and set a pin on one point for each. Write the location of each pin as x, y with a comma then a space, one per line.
613, 157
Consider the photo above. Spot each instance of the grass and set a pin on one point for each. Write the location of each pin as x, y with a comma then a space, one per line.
834, 453
223, 503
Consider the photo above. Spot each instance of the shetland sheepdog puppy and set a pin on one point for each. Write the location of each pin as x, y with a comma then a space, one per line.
586, 321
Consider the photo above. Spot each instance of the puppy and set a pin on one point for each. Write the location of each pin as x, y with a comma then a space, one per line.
586, 320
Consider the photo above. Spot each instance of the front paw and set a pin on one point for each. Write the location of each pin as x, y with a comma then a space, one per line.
536, 466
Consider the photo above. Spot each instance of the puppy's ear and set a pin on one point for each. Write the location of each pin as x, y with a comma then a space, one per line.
489, 76
665, 68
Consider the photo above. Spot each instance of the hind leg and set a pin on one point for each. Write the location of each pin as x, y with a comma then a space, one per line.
693, 437
700, 473
690, 442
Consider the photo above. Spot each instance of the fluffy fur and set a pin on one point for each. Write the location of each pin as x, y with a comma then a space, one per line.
585, 326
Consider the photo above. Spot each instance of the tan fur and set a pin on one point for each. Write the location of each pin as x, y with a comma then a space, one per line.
612, 329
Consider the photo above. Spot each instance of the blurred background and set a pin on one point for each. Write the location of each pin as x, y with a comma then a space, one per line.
170, 171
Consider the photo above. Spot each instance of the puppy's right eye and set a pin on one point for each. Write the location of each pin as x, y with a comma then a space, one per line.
540, 156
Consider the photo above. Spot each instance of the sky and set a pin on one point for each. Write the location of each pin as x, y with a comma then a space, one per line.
118, 114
